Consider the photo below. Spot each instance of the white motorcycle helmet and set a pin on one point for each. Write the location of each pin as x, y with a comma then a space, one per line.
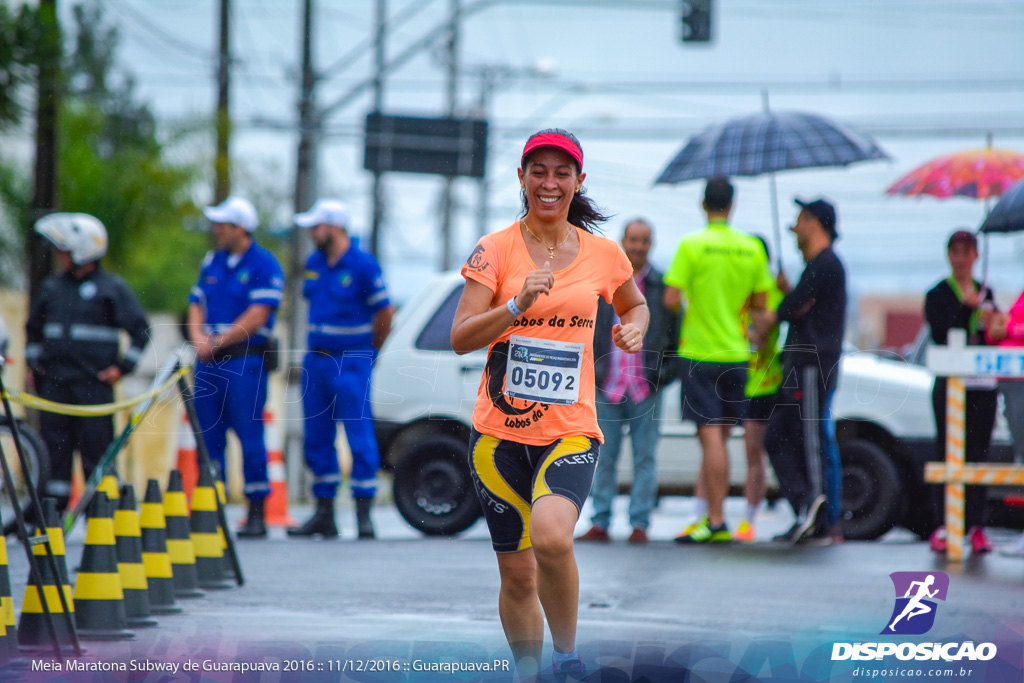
78, 233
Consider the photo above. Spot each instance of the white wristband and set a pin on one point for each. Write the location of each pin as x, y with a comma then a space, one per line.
512, 308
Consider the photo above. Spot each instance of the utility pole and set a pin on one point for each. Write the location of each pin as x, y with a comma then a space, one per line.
44, 198
453, 81
305, 180
378, 105
298, 247
222, 161
488, 80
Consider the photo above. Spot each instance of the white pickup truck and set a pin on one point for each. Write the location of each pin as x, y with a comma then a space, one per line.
423, 396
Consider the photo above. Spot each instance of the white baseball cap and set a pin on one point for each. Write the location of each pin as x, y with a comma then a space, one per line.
234, 210
329, 211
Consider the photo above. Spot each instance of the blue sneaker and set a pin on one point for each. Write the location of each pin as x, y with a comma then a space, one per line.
572, 669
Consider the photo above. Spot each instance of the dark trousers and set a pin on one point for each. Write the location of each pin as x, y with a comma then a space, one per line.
63, 434
800, 441
980, 414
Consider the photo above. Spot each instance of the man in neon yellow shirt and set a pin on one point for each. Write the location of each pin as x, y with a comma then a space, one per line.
724, 275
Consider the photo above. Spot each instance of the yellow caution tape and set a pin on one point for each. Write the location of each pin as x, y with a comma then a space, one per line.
36, 403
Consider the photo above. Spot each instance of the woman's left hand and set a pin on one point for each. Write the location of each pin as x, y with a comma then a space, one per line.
628, 337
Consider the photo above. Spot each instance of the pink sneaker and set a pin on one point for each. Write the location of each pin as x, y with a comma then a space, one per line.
979, 541
937, 541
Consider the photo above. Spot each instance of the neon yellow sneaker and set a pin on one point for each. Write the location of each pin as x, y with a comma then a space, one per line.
705, 533
744, 532
692, 526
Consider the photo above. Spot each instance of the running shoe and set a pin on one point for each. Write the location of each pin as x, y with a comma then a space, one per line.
705, 533
979, 541
692, 526
937, 541
789, 534
570, 670
819, 535
596, 534
809, 521
639, 536
744, 532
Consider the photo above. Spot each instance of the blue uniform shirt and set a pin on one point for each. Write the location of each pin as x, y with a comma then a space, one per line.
227, 287
343, 300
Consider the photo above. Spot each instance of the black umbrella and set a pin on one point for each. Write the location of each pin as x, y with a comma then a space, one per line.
767, 142
1008, 214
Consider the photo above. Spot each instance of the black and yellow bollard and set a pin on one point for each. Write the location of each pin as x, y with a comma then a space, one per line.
99, 599
32, 630
157, 563
179, 540
207, 535
129, 561
8, 624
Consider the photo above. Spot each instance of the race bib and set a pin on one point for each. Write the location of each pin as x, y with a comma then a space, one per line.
543, 370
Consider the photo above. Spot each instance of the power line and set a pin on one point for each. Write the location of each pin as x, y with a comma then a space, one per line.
182, 47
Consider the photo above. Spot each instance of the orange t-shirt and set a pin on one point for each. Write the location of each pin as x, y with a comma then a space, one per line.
565, 317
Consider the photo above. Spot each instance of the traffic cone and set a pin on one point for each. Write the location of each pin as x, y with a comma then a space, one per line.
55, 530
32, 630
187, 457
8, 624
276, 505
179, 540
129, 561
155, 560
110, 486
99, 608
207, 535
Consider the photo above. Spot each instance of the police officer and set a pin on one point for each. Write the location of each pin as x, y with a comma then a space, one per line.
73, 350
349, 318
230, 315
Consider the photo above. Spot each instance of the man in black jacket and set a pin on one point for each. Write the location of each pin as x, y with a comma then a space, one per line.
73, 350
801, 440
628, 392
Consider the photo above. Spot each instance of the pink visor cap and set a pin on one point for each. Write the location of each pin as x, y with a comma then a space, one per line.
554, 140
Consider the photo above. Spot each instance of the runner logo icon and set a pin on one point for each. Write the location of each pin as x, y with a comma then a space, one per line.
916, 593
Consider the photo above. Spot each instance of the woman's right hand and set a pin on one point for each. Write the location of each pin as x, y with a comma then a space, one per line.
537, 282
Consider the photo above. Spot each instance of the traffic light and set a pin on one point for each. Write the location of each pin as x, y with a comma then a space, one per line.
696, 16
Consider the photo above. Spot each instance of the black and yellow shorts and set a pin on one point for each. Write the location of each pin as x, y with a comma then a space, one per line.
510, 476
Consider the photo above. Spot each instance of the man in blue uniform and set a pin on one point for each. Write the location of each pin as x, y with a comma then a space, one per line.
231, 312
349, 318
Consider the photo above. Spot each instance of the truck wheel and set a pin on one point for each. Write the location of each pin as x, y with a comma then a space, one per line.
432, 488
871, 490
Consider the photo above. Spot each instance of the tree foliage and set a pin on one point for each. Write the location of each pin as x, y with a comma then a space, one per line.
19, 47
113, 165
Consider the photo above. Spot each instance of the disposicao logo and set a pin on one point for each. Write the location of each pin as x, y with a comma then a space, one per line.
916, 593
914, 615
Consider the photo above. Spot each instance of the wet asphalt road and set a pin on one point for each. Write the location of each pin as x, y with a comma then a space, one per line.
320, 596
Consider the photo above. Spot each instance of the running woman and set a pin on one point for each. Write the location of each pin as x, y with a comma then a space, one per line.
531, 297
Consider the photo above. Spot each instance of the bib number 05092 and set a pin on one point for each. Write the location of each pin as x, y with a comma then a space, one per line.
541, 379
543, 370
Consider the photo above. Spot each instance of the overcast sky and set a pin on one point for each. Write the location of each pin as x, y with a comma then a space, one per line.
928, 77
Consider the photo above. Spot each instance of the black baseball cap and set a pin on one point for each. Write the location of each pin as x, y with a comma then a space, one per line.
962, 237
824, 212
